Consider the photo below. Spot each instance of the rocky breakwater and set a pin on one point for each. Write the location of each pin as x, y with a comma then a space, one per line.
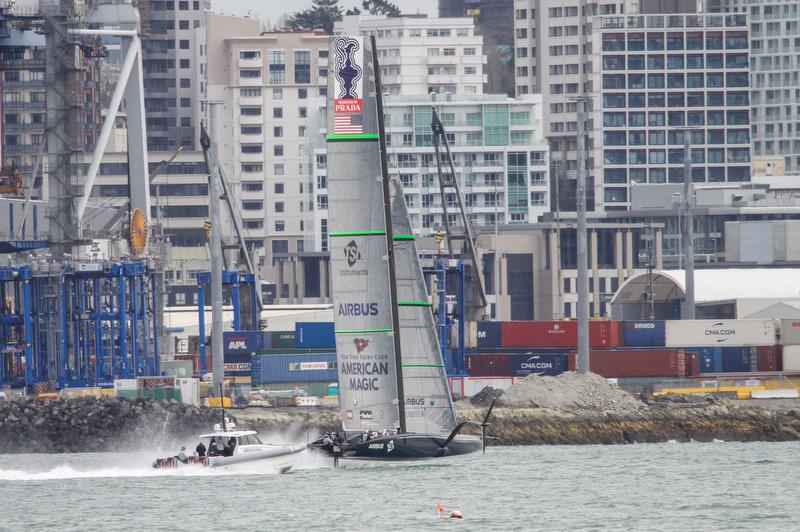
586, 409
89, 424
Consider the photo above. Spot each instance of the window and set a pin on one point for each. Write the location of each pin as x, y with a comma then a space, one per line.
250, 93
636, 81
280, 246
674, 41
635, 62
467, 51
613, 100
657, 138
277, 94
252, 148
469, 70
655, 81
278, 169
614, 138
250, 111
184, 63
277, 66
736, 79
614, 119
675, 99
449, 51
655, 62
694, 81
714, 80
183, 5
637, 157
675, 81
736, 60
279, 206
614, 62
252, 168
655, 41
302, 94
186, 83
636, 119
277, 131
676, 118
251, 130
694, 61
183, 24
277, 150
636, 100
657, 157
249, 73
279, 226
715, 99
675, 62
656, 118
302, 66
636, 138
695, 99
655, 99
186, 102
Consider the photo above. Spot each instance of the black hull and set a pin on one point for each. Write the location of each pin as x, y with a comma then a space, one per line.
403, 447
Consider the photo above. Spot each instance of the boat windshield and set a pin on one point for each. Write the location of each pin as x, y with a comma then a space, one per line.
250, 439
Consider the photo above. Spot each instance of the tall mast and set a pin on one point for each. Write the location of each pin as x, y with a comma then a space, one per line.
387, 213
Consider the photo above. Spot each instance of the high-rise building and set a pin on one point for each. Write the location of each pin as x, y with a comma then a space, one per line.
552, 58
493, 21
171, 67
654, 77
266, 83
499, 155
774, 75
420, 55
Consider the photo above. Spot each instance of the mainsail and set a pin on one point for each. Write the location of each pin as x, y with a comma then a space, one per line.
358, 248
429, 408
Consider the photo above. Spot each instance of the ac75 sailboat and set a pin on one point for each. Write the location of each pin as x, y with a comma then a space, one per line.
394, 396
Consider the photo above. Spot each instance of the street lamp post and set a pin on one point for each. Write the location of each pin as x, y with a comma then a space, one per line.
688, 311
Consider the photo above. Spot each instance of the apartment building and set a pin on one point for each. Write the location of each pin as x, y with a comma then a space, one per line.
420, 55
266, 83
171, 71
774, 75
499, 155
655, 76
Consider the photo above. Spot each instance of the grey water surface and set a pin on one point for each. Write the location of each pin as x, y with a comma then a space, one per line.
711, 486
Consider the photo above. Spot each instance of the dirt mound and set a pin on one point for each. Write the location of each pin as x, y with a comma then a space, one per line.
572, 392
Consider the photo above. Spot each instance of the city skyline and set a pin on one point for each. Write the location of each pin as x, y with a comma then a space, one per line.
272, 11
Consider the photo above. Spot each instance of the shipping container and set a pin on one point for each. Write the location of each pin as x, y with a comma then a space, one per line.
602, 333
643, 333
489, 334
790, 332
281, 340
634, 362
487, 364
768, 358
791, 358
537, 363
236, 364
297, 368
729, 359
314, 335
694, 333
242, 341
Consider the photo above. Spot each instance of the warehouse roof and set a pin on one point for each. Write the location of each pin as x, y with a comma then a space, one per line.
714, 285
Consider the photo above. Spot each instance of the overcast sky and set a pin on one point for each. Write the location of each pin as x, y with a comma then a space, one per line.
272, 9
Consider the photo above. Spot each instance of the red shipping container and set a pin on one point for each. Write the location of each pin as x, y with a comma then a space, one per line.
692, 363
602, 333
634, 362
769, 358
487, 364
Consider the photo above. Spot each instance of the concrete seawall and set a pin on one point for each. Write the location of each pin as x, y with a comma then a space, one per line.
112, 424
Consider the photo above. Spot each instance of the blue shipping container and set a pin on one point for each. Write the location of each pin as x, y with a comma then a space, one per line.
237, 364
643, 334
304, 367
489, 334
314, 335
243, 341
537, 363
723, 359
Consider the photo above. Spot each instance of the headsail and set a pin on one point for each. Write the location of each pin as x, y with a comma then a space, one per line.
429, 408
357, 232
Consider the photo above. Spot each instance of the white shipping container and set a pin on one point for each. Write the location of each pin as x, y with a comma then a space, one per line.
702, 333
791, 358
790, 332
190, 391
124, 384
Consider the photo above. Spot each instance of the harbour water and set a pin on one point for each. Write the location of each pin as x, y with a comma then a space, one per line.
712, 486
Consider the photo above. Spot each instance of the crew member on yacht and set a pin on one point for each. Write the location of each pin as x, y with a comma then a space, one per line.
182, 456
212, 448
200, 450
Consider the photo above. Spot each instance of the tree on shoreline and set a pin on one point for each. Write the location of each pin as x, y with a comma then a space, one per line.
324, 13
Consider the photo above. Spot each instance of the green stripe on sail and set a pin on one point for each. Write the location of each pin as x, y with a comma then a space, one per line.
354, 136
357, 233
422, 365
413, 304
362, 331
403, 237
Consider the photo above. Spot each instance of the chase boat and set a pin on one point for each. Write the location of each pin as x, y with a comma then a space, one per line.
242, 450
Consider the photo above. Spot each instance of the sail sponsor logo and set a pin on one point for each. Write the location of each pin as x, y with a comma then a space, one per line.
644, 325
390, 446
721, 333
415, 401
361, 344
349, 86
352, 255
365, 414
556, 329
375, 446
358, 309
364, 376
